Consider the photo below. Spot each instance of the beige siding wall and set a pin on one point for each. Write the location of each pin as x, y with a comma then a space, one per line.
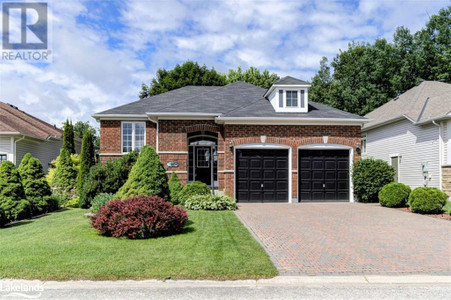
415, 145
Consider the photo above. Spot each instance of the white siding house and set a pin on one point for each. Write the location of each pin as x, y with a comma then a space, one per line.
413, 134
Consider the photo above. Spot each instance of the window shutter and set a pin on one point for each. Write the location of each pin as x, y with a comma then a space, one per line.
280, 98
302, 99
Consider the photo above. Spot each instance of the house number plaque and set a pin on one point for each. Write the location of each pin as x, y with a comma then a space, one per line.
172, 164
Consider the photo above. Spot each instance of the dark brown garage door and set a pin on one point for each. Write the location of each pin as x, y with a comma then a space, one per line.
324, 175
262, 175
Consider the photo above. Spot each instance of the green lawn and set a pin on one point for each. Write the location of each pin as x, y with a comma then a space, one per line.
62, 246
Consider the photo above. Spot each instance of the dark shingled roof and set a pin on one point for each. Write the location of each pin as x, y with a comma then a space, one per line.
290, 80
238, 99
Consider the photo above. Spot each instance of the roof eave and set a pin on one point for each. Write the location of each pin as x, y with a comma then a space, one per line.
125, 117
386, 122
290, 121
274, 86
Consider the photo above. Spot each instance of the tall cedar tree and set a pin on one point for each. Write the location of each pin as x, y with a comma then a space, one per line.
147, 177
175, 187
68, 137
12, 194
65, 174
33, 178
87, 158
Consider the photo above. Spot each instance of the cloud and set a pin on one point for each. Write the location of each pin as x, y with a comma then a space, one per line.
104, 50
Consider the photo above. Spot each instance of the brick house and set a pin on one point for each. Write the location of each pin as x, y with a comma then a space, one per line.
251, 143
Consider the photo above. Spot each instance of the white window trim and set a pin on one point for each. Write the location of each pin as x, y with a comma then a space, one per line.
298, 96
286, 108
399, 162
133, 134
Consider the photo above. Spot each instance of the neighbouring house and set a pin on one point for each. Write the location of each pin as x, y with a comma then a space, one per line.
251, 143
413, 134
21, 133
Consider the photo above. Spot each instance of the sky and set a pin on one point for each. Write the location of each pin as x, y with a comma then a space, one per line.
104, 50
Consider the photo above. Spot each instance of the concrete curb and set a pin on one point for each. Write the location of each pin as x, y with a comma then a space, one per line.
276, 281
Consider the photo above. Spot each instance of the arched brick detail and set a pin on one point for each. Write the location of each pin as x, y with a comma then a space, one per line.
201, 127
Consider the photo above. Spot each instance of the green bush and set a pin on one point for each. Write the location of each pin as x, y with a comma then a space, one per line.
73, 203
175, 187
427, 200
75, 158
65, 173
394, 195
193, 189
12, 194
147, 177
106, 179
369, 176
100, 200
61, 199
3, 219
209, 202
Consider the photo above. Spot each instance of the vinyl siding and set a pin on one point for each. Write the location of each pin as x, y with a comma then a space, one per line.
415, 144
44, 151
6, 147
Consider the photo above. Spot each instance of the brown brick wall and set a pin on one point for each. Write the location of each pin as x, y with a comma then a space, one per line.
173, 142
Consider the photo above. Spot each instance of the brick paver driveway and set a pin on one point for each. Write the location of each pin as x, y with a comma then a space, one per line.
349, 238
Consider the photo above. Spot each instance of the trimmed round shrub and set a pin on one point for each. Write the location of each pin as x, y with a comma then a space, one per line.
175, 187
427, 200
106, 179
139, 217
100, 200
209, 202
12, 194
394, 195
147, 177
369, 176
193, 189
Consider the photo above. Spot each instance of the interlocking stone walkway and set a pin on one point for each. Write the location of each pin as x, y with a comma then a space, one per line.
349, 238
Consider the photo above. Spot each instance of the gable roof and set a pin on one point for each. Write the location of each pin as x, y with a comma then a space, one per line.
287, 80
425, 102
235, 100
15, 121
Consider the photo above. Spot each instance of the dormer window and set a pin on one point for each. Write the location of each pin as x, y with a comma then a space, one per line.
289, 94
292, 99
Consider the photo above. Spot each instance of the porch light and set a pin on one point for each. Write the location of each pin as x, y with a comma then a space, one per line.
207, 155
231, 144
215, 155
357, 148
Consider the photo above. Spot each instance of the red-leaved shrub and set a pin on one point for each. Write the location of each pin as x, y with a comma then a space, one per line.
139, 217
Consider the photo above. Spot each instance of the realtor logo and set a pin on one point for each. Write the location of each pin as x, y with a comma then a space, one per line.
25, 26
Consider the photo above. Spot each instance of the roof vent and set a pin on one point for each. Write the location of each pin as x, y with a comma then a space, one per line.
396, 98
442, 80
419, 82
13, 106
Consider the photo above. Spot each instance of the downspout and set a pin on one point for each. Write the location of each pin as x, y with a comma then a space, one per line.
156, 143
15, 148
440, 148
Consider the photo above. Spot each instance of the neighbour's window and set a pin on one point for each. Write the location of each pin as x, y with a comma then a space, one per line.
364, 144
292, 98
133, 136
3, 157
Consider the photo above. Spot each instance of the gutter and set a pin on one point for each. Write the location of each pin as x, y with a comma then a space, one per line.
283, 121
15, 147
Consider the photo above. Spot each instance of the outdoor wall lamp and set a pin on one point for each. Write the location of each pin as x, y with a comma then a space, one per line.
231, 144
357, 148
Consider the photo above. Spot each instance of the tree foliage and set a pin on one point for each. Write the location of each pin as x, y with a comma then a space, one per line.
147, 177
12, 194
87, 157
365, 75
65, 174
33, 178
253, 76
175, 187
81, 127
68, 137
190, 73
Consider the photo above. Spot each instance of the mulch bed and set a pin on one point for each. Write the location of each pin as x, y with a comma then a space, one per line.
443, 216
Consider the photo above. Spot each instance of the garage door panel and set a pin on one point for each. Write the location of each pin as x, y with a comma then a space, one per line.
323, 175
266, 174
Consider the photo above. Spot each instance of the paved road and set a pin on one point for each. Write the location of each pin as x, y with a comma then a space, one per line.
278, 288
349, 238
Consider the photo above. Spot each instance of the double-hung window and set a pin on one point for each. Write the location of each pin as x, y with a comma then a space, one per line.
292, 99
3, 157
133, 136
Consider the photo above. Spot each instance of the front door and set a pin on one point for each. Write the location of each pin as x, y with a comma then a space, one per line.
202, 164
